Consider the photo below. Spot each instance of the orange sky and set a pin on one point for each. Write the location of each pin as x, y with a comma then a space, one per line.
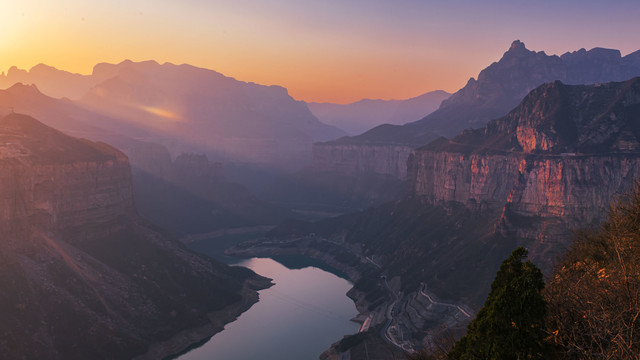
328, 50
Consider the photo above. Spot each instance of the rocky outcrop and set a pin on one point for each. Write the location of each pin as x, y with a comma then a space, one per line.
497, 90
552, 164
66, 186
81, 275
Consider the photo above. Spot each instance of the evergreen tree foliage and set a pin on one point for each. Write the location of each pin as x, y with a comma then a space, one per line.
510, 325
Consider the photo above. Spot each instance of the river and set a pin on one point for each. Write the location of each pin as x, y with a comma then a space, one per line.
296, 319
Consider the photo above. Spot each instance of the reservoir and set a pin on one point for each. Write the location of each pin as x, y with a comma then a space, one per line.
296, 319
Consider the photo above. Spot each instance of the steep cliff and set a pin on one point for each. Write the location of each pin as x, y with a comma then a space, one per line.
81, 275
497, 90
552, 164
361, 159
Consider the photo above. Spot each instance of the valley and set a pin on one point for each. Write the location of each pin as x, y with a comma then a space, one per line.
155, 209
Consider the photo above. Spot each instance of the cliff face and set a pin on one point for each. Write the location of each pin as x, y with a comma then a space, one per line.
67, 196
497, 90
552, 164
81, 275
354, 160
64, 182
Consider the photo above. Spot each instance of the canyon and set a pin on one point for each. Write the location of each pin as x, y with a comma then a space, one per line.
551, 165
82, 275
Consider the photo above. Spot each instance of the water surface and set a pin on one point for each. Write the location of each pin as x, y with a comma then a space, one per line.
296, 319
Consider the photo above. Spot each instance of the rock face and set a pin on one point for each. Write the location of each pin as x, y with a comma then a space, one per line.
360, 160
498, 89
81, 275
558, 160
70, 183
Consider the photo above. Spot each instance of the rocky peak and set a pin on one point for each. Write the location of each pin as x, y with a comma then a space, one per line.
517, 45
558, 118
517, 49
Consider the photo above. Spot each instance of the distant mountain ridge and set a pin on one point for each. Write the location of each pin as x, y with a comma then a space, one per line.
503, 84
364, 114
190, 109
498, 89
53, 82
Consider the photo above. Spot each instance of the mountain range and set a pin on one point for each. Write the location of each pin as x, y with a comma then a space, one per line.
357, 117
189, 109
497, 90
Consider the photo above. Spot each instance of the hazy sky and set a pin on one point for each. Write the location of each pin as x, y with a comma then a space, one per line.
321, 50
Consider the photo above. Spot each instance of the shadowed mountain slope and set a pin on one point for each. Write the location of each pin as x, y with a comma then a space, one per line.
82, 275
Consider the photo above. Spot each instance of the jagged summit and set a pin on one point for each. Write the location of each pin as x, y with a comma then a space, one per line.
503, 84
557, 118
517, 45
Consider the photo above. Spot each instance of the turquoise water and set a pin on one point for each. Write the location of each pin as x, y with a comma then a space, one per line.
296, 319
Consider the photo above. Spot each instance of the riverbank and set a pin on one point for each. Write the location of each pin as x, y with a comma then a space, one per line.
182, 341
368, 294
398, 319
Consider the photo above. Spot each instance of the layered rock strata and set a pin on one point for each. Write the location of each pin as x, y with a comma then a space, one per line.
81, 275
562, 155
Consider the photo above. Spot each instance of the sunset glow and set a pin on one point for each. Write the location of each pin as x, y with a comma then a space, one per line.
321, 51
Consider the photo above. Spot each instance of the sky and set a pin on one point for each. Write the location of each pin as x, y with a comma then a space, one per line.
321, 50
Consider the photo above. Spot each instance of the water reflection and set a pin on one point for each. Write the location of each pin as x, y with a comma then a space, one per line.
296, 319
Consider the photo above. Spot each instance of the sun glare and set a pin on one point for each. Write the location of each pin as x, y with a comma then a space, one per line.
164, 113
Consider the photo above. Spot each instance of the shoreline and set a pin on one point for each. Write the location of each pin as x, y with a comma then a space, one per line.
183, 341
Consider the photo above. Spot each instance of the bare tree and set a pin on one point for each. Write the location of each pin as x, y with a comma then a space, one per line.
594, 293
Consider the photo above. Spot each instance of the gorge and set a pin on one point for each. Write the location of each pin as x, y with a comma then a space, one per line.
552, 164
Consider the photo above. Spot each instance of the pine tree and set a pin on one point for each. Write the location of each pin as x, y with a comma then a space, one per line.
510, 325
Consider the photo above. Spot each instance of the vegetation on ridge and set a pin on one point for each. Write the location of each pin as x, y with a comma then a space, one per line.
589, 309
